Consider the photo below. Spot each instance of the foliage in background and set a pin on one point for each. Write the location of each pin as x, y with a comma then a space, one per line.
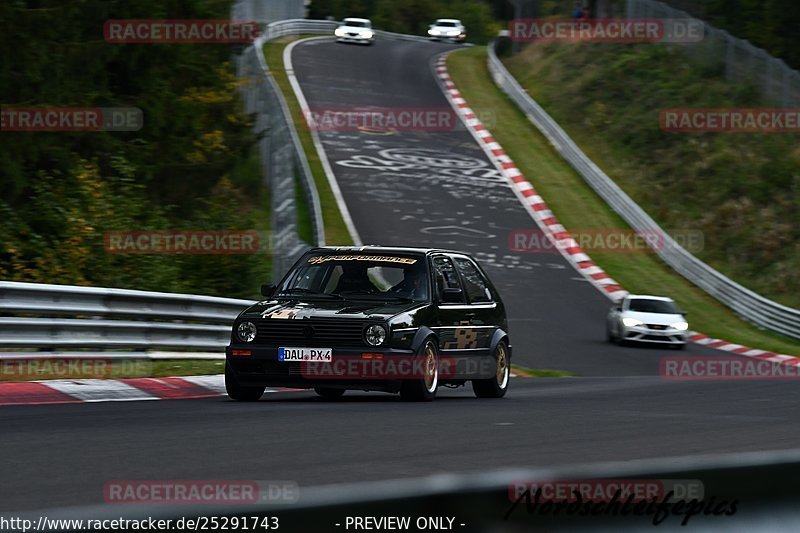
414, 16
192, 166
770, 24
741, 189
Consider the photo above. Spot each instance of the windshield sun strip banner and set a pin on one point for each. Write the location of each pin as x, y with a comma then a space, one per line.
317, 259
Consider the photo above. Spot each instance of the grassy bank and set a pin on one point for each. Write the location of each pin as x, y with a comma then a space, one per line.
335, 229
579, 208
741, 190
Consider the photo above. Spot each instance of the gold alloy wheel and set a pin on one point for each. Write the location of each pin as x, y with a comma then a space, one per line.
501, 366
430, 368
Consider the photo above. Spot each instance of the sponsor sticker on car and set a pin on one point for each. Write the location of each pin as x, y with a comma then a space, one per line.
305, 354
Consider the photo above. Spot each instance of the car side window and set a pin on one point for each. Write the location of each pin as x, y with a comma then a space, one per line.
476, 287
446, 276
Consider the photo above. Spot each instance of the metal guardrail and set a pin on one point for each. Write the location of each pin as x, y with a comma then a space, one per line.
747, 304
97, 318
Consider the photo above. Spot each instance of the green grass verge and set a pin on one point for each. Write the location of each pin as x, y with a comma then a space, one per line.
336, 233
579, 208
43, 369
540, 372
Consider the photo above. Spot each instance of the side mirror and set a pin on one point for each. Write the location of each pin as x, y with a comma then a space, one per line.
452, 295
617, 308
268, 289
682, 312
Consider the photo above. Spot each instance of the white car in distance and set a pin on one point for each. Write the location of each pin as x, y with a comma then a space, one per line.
447, 30
355, 30
650, 319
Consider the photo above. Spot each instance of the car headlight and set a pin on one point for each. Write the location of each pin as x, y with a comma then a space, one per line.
680, 326
367, 34
338, 32
631, 322
375, 335
246, 331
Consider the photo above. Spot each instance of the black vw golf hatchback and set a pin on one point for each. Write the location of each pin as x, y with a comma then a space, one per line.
373, 318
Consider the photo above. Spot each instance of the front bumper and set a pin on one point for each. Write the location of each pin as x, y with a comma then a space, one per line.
347, 370
450, 38
355, 39
656, 336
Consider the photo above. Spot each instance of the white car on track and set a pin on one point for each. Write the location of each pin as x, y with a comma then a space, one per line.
653, 319
447, 30
355, 30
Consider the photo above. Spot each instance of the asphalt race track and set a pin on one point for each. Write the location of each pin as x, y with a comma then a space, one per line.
63, 455
410, 188
455, 199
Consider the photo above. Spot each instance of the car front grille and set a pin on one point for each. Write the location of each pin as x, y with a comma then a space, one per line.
659, 327
310, 333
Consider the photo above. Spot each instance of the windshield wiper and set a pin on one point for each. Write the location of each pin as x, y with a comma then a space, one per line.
303, 290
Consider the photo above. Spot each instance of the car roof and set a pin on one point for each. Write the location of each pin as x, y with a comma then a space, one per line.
354, 19
648, 297
448, 20
373, 248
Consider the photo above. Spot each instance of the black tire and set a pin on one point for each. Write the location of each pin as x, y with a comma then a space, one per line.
609, 335
238, 392
329, 394
497, 386
423, 389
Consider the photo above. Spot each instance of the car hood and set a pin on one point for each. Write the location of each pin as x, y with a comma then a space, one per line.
353, 309
664, 319
445, 28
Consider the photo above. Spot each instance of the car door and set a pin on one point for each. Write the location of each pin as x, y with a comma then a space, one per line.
452, 321
483, 312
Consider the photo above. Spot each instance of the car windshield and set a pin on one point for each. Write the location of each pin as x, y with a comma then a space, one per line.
646, 305
355, 24
358, 276
446, 24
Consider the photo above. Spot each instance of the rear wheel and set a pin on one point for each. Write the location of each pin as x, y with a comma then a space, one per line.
495, 387
240, 392
423, 389
329, 394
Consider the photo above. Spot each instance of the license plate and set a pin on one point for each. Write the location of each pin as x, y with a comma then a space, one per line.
305, 354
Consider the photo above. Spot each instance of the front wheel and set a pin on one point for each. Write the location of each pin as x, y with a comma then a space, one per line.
239, 392
423, 389
496, 386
